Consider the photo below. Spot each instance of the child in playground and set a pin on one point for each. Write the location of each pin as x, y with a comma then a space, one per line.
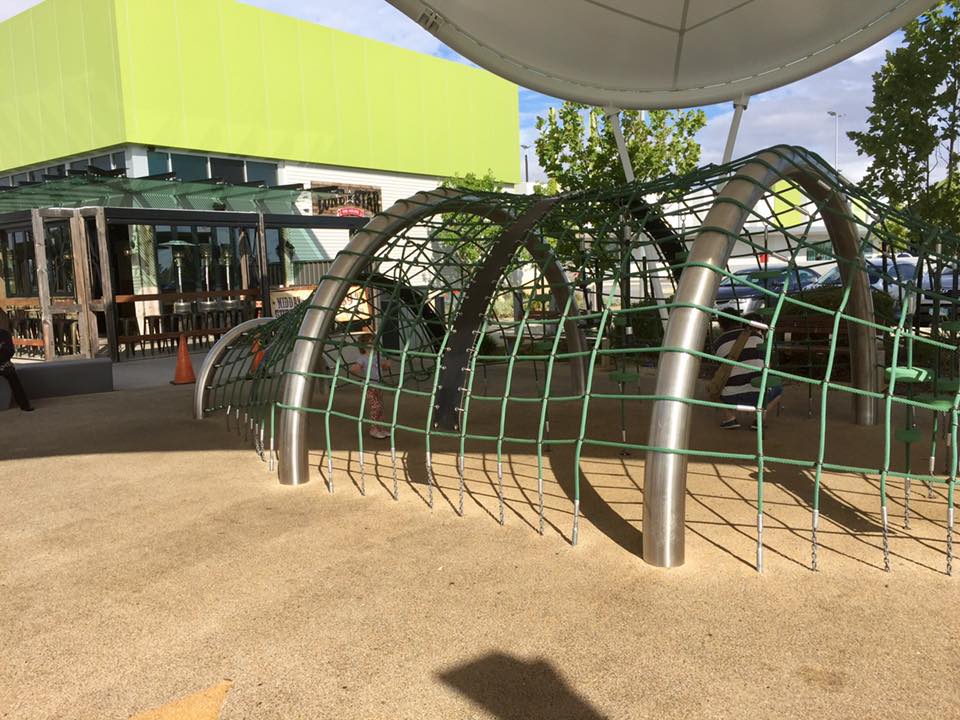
743, 343
374, 401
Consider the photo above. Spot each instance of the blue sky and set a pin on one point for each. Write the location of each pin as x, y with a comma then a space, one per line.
795, 114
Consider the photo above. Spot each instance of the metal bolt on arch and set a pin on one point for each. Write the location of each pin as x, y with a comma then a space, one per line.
561, 326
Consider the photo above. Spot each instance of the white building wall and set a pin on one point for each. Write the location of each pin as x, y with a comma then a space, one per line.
393, 186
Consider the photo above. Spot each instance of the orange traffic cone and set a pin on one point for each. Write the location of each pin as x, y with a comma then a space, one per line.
184, 373
257, 356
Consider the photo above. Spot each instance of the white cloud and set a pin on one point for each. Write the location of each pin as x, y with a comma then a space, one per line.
9, 8
797, 113
374, 19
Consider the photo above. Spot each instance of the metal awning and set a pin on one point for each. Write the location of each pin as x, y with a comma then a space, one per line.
152, 193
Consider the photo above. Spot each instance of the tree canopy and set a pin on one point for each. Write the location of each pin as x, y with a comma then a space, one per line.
577, 148
912, 130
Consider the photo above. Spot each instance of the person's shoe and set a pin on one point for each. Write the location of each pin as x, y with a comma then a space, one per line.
730, 424
28, 409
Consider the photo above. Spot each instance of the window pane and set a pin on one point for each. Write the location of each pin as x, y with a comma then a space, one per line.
36, 176
275, 270
101, 161
267, 172
59, 259
157, 163
189, 167
19, 276
119, 161
21, 178
166, 270
6, 181
57, 170
79, 164
229, 170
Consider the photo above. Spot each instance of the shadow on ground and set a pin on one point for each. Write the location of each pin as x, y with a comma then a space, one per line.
514, 689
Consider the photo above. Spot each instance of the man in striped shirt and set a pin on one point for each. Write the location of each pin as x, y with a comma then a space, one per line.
740, 389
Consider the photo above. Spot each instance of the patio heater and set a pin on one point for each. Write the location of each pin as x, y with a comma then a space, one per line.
206, 256
179, 250
226, 260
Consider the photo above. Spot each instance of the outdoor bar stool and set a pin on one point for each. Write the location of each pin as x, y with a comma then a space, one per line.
59, 336
210, 321
182, 323
131, 330
233, 316
34, 330
153, 325
68, 336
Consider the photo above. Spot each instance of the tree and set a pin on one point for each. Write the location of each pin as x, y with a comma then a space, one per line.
463, 234
914, 120
472, 181
578, 150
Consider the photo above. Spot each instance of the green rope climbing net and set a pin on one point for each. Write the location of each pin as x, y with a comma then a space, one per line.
503, 321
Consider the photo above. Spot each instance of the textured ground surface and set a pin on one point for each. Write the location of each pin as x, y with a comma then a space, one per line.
145, 556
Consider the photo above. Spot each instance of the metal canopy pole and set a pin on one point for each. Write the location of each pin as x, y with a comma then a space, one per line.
739, 106
653, 262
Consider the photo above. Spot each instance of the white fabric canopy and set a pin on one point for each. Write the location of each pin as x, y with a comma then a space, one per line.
658, 53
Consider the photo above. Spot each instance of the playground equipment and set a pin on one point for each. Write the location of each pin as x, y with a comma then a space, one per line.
559, 294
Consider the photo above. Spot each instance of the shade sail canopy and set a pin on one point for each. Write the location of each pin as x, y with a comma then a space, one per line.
658, 53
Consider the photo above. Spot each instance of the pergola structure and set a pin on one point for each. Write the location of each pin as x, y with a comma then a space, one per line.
87, 205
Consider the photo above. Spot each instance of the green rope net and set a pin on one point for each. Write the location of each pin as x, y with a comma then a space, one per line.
565, 317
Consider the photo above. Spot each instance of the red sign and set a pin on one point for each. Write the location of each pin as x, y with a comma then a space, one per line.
350, 211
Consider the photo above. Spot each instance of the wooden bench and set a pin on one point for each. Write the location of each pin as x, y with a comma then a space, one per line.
803, 342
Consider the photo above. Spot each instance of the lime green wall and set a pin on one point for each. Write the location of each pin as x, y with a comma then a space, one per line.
224, 77
59, 82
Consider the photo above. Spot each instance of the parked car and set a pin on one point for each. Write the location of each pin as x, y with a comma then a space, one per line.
737, 296
900, 270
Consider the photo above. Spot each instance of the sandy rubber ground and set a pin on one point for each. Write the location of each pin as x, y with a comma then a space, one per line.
145, 556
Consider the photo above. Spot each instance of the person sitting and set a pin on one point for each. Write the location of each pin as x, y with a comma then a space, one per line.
7, 369
744, 344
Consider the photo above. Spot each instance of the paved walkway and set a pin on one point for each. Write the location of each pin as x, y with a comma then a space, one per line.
151, 567
150, 371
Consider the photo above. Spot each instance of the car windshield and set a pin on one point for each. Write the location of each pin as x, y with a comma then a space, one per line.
742, 274
902, 270
801, 277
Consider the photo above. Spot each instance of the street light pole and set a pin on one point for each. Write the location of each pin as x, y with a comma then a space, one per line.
836, 137
526, 162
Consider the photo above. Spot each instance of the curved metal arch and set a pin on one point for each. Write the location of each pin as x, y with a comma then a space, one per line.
665, 470
213, 358
348, 266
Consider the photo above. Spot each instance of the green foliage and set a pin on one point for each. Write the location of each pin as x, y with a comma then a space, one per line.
551, 187
458, 226
914, 122
578, 150
830, 298
472, 181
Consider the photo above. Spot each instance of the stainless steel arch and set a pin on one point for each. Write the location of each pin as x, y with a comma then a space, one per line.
665, 471
350, 263
213, 358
